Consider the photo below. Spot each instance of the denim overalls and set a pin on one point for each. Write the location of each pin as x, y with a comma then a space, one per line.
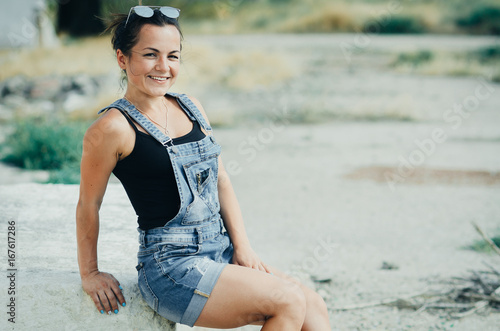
179, 264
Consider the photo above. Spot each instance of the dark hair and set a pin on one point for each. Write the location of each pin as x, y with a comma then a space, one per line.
125, 37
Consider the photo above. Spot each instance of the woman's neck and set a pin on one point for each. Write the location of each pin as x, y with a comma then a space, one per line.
145, 103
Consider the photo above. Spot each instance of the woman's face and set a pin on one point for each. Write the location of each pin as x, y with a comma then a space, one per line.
154, 61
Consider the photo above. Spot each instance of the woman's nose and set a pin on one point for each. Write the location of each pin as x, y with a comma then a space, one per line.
162, 64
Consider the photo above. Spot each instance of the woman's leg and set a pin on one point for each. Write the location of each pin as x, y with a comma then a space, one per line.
247, 296
317, 318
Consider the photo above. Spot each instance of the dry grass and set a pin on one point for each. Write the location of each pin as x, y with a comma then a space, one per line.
448, 64
328, 16
242, 69
424, 176
204, 67
90, 55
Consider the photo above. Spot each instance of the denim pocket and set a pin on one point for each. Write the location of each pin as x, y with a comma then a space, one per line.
146, 291
202, 180
171, 250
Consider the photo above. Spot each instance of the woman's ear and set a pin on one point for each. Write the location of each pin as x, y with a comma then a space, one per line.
121, 59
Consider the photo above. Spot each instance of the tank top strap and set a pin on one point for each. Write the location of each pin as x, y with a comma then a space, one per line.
191, 110
124, 105
129, 120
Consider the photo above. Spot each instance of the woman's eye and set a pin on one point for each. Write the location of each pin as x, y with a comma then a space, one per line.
174, 57
150, 55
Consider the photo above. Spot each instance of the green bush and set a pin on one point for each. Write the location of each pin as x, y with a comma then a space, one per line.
46, 145
415, 59
396, 24
68, 174
482, 246
483, 19
490, 53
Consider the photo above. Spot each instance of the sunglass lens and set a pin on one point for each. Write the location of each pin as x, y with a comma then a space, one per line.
170, 12
143, 11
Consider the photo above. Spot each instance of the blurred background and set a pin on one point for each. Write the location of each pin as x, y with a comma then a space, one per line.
321, 60
370, 124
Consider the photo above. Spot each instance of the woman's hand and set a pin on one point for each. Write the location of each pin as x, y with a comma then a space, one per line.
104, 290
246, 257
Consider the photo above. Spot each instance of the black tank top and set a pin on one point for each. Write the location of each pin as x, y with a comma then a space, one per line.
148, 177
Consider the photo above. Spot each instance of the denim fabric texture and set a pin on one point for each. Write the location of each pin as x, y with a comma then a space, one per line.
179, 263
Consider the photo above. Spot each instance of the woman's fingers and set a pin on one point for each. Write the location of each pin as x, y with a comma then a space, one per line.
106, 301
113, 297
106, 292
117, 291
266, 269
97, 302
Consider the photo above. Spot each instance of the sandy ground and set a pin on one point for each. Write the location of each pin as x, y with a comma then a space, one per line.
306, 218
315, 201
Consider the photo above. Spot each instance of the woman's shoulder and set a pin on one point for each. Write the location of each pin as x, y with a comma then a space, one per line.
198, 105
111, 124
194, 100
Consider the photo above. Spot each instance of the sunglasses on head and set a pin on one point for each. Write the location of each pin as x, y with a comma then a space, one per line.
148, 11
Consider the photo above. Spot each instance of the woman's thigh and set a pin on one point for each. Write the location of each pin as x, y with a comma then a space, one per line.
245, 296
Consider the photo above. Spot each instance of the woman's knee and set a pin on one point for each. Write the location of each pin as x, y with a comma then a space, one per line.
315, 302
290, 300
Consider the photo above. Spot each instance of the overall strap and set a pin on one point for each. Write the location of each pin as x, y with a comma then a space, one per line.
130, 109
191, 110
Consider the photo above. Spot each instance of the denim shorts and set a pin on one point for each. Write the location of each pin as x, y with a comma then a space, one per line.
179, 266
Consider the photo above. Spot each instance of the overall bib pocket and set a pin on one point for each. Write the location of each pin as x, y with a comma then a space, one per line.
202, 180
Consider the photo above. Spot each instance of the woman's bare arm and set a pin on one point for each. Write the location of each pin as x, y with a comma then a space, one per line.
101, 146
233, 219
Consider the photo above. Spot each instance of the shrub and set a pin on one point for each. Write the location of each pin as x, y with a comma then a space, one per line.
46, 145
490, 53
41, 144
415, 59
396, 24
482, 246
68, 174
483, 19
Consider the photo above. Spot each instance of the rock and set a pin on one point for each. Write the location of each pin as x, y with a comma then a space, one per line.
17, 85
15, 102
48, 88
321, 279
55, 300
389, 266
48, 291
76, 101
6, 114
84, 84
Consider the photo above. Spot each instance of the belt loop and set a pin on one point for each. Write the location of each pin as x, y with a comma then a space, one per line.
221, 224
200, 235
141, 238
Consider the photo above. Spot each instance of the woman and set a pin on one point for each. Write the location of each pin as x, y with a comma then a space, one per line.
196, 265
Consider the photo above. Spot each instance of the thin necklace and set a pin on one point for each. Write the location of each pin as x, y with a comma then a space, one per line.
165, 130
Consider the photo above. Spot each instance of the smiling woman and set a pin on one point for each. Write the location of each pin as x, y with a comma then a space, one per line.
152, 70
195, 263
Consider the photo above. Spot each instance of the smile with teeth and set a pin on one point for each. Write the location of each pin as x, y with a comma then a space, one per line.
158, 78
